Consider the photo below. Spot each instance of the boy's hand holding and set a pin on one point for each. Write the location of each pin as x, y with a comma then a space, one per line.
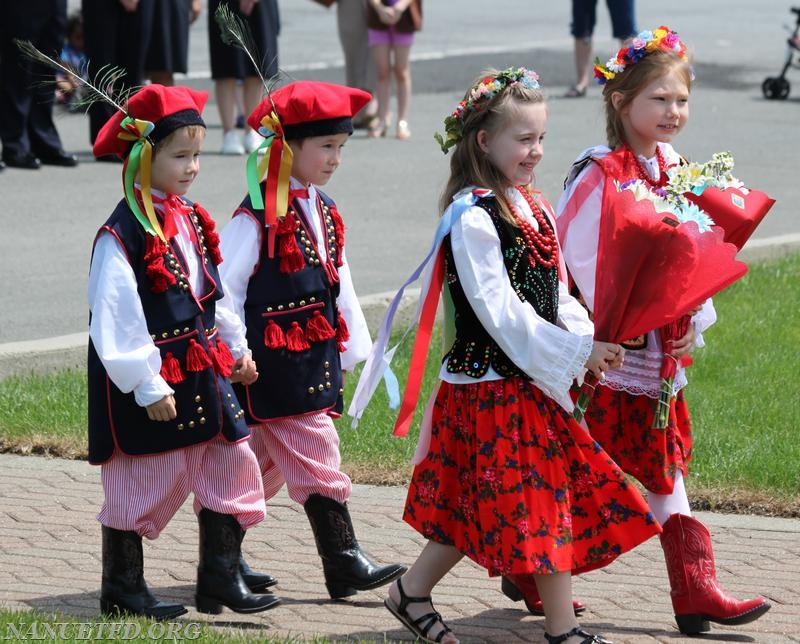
162, 410
244, 370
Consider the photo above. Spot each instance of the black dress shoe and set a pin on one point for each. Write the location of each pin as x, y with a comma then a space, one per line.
59, 157
24, 161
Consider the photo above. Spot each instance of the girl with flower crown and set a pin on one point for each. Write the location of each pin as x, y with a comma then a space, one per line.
504, 475
646, 93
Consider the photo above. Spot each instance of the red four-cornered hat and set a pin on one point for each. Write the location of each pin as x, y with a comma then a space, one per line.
312, 108
168, 108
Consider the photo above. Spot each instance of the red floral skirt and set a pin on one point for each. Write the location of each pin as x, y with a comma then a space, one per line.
513, 482
621, 423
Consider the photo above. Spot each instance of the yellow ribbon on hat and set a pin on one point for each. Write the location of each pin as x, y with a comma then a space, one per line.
140, 161
275, 166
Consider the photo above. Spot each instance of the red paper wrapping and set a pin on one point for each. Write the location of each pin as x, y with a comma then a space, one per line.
737, 212
651, 271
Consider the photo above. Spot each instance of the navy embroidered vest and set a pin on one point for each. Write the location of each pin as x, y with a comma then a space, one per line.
181, 324
293, 327
474, 350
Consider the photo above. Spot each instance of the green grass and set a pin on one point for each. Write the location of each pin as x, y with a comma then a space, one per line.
743, 395
744, 385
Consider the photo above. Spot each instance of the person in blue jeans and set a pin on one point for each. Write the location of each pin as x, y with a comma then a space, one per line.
584, 17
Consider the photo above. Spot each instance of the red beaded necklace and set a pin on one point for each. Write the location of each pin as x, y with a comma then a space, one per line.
645, 176
542, 241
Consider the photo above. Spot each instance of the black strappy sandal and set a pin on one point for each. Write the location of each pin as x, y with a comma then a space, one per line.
422, 625
588, 638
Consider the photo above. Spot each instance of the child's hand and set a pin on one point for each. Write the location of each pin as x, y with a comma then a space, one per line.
388, 15
604, 356
695, 310
162, 410
683, 345
244, 370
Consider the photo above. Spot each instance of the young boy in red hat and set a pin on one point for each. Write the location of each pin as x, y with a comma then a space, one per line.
289, 299
163, 418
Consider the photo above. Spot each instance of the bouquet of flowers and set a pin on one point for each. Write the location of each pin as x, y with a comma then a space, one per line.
713, 190
659, 257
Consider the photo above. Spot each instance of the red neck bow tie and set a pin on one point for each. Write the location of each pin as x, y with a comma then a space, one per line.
298, 193
171, 205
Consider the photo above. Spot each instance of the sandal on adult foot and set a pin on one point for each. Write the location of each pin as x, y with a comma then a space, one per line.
420, 626
403, 131
575, 92
377, 129
588, 638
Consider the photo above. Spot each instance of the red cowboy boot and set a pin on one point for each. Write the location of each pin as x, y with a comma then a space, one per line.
697, 598
517, 587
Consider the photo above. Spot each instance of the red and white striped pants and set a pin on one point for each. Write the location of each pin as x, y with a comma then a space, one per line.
142, 493
303, 452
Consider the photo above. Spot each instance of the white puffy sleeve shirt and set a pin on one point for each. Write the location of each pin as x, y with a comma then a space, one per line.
578, 217
118, 328
240, 245
551, 355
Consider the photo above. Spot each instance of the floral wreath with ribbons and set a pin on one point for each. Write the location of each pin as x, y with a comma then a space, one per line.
646, 42
478, 96
140, 161
277, 163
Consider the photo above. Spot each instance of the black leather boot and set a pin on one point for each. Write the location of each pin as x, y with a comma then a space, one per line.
124, 589
347, 569
257, 582
219, 581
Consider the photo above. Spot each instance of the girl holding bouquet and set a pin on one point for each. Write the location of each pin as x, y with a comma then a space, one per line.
646, 94
504, 475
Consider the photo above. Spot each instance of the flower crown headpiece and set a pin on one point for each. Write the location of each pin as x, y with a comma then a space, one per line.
480, 94
661, 39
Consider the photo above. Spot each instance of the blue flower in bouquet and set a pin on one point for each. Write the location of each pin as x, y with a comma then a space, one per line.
690, 212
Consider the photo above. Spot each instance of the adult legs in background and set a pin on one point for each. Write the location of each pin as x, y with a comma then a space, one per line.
359, 70
402, 76
381, 55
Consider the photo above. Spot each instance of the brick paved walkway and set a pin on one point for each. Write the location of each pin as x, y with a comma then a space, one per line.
50, 560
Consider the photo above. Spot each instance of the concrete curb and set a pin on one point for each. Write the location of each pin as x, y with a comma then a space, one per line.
69, 351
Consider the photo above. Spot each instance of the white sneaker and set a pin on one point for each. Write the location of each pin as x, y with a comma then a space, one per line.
252, 140
232, 143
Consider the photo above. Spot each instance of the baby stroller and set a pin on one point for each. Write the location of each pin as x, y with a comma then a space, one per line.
777, 87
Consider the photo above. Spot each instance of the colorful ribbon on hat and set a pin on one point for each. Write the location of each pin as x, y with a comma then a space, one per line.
277, 163
139, 161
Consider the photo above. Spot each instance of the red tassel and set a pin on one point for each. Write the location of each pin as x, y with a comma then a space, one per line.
338, 228
158, 274
223, 359
318, 329
209, 234
287, 225
292, 258
196, 357
342, 332
273, 336
296, 339
171, 369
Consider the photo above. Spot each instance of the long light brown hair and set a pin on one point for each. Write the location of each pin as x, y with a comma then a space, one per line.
469, 164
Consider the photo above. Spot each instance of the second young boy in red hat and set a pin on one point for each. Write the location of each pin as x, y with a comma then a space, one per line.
163, 418
290, 300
